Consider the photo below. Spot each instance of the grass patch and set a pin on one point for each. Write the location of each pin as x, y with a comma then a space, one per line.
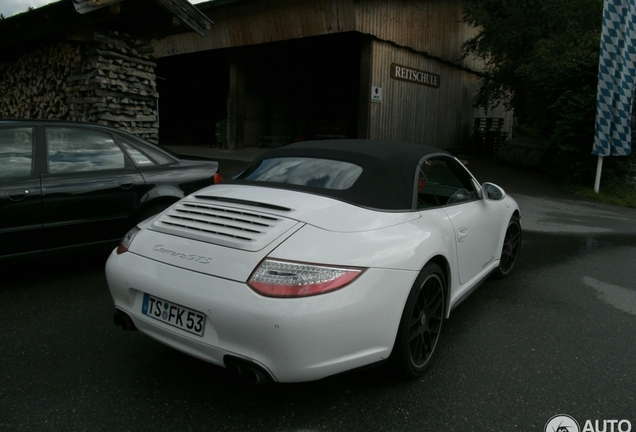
624, 196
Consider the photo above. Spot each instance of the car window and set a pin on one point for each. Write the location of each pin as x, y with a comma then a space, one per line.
425, 196
137, 157
159, 156
443, 181
16, 152
313, 172
78, 149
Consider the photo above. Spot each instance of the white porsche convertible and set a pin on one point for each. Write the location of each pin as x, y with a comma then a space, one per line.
321, 257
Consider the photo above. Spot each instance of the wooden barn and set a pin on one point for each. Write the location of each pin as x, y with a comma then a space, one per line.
268, 72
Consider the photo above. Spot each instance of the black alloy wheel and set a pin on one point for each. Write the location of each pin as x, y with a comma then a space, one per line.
511, 248
422, 323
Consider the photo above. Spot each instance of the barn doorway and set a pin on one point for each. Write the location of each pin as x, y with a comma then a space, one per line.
193, 92
290, 91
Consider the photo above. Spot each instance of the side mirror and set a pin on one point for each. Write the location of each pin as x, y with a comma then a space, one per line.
492, 192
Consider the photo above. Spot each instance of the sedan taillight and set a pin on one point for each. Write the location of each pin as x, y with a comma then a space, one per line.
274, 278
127, 240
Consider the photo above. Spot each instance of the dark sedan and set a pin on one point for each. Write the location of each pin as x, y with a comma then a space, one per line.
66, 185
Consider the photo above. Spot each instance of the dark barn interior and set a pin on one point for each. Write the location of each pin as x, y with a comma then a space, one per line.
299, 89
193, 92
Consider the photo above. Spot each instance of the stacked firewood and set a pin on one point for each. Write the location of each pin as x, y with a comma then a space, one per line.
116, 86
33, 86
106, 79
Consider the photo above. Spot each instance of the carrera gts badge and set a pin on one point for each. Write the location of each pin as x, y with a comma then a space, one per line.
196, 258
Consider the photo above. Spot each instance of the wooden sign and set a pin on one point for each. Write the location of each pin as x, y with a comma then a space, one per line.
416, 76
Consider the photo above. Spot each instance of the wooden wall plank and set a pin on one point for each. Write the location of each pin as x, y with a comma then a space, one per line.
421, 34
430, 26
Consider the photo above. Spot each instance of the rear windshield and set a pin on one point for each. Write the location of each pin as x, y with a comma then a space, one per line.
319, 173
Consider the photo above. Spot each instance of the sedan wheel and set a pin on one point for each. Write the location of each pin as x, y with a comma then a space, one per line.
152, 210
511, 248
421, 324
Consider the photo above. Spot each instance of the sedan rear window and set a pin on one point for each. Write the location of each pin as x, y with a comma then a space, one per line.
73, 150
312, 172
16, 152
138, 157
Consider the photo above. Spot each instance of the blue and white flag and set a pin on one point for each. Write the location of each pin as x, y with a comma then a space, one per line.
616, 73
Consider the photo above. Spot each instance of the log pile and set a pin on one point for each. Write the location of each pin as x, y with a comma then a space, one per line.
116, 86
107, 79
34, 85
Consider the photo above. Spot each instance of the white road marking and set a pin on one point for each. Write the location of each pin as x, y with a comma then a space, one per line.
621, 298
572, 217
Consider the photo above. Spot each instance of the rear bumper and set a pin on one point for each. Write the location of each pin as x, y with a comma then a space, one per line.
293, 339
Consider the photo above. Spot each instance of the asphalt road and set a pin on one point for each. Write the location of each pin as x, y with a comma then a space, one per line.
556, 337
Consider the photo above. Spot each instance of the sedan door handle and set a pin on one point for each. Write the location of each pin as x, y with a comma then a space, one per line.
126, 183
462, 233
17, 195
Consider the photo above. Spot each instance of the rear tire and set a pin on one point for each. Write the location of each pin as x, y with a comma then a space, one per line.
511, 248
421, 325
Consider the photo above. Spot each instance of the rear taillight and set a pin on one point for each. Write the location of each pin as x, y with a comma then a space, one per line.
218, 178
127, 240
275, 278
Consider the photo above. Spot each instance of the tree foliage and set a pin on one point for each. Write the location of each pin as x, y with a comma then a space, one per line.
541, 60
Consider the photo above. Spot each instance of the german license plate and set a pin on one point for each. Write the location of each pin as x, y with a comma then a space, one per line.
173, 314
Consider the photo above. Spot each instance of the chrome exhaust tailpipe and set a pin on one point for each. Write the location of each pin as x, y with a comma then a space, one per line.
121, 319
235, 369
246, 370
255, 376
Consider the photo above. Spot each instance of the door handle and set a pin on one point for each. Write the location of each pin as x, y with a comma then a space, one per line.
462, 233
126, 183
17, 195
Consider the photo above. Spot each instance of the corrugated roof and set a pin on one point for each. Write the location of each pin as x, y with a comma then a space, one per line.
59, 20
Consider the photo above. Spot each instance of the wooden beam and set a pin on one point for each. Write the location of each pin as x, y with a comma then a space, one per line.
189, 14
236, 106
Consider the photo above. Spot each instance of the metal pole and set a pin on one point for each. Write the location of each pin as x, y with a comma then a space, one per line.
599, 168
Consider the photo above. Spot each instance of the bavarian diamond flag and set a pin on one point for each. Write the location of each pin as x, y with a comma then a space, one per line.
616, 73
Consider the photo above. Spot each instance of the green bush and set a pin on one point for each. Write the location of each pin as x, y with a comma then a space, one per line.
541, 60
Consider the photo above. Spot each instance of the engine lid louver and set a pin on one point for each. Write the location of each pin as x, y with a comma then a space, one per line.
238, 227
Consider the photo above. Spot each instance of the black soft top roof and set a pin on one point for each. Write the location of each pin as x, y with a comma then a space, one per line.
389, 170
